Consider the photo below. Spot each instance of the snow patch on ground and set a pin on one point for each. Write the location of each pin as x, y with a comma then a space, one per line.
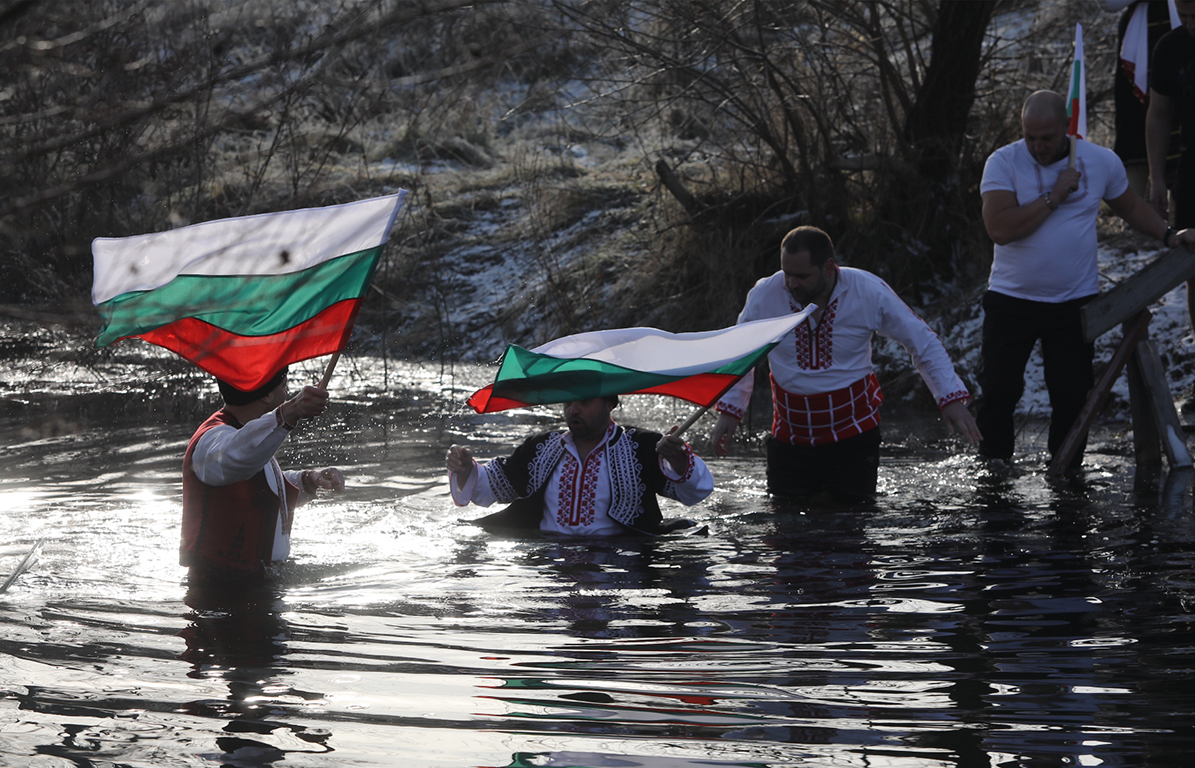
1169, 330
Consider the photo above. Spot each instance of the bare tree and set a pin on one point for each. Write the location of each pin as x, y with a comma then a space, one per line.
119, 117
856, 115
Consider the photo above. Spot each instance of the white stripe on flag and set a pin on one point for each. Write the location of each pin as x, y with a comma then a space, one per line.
264, 244
673, 354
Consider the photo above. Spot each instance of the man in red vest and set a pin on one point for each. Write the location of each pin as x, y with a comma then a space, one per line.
238, 504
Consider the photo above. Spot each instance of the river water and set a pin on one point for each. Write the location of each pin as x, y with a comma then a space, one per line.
970, 617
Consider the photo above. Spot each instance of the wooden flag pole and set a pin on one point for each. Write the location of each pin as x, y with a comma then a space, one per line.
323, 383
691, 421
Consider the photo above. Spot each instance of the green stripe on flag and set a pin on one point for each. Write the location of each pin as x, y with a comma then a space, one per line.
245, 305
538, 379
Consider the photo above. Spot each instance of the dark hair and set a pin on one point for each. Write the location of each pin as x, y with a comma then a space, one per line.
612, 400
234, 396
812, 240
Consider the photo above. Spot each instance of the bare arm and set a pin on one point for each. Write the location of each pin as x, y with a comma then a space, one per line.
1142, 217
1008, 221
1138, 214
1157, 143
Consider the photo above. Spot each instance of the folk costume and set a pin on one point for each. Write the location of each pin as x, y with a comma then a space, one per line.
613, 490
825, 394
238, 504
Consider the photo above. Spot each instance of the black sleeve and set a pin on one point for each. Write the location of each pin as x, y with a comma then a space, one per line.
1163, 65
510, 477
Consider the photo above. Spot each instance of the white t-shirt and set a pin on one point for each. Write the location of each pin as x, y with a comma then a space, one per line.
1057, 262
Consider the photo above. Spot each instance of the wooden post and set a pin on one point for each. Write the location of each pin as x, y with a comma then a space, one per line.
1161, 405
1147, 448
1133, 333
1155, 420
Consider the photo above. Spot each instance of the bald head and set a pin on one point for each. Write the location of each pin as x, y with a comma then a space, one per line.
1045, 106
1044, 124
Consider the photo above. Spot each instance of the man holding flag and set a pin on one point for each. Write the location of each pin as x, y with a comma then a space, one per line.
243, 298
597, 478
238, 504
1041, 196
825, 394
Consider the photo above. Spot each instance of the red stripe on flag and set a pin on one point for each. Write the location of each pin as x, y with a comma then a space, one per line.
1074, 126
702, 389
484, 401
247, 362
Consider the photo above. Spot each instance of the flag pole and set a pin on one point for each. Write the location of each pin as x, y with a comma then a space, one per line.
1077, 97
691, 420
323, 383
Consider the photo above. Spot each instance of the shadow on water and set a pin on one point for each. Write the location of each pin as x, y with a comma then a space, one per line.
239, 637
969, 617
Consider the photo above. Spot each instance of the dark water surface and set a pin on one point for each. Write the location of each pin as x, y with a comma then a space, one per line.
969, 618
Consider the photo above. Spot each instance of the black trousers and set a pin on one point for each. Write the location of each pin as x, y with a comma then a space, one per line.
1184, 191
848, 469
1010, 329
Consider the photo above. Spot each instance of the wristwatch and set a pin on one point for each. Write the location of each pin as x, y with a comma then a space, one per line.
1050, 203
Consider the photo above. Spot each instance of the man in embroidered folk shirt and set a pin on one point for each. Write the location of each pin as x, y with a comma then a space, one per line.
238, 504
825, 394
597, 478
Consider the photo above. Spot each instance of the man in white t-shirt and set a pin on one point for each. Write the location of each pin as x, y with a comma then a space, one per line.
1041, 214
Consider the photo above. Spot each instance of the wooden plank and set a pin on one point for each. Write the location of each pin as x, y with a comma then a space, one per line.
1125, 300
1133, 334
1173, 439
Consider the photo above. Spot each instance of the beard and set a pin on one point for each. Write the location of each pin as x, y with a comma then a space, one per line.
583, 430
806, 296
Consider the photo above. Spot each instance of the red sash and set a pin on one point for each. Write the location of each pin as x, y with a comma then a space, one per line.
826, 417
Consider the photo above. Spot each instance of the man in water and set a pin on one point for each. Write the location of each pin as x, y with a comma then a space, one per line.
238, 504
825, 394
1041, 214
596, 478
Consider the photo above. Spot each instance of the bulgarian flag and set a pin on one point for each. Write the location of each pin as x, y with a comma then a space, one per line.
243, 297
698, 367
1076, 100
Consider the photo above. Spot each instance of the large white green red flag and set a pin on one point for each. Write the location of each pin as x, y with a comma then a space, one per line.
243, 297
698, 367
1076, 100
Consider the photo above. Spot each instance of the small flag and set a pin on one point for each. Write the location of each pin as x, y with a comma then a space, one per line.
1076, 101
697, 367
243, 297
